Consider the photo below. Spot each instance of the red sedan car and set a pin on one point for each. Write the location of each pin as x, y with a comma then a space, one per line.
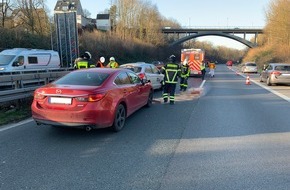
91, 98
229, 63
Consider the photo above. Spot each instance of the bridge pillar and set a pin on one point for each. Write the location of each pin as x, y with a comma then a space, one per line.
256, 38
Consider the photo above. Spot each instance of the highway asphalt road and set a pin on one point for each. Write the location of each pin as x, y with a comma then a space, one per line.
232, 136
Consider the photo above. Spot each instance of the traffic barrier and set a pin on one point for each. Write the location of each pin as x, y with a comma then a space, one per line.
21, 85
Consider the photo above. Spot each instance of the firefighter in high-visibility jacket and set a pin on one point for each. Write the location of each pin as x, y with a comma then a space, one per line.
113, 64
185, 72
83, 61
171, 73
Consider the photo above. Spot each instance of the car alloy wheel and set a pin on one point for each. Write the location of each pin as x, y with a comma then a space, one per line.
120, 118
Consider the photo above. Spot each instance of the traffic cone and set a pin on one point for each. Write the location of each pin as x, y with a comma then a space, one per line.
248, 82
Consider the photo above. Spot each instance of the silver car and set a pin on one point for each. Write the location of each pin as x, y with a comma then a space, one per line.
249, 67
147, 71
276, 73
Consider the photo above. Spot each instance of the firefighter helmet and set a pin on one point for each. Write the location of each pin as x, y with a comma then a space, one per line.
112, 58
87, 55
102, 59
172, 58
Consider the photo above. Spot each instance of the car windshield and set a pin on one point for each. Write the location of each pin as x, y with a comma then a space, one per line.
6, 59
134, 69
83, 78
251, 64
283, 68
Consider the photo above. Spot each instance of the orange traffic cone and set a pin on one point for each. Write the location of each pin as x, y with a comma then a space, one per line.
248, 82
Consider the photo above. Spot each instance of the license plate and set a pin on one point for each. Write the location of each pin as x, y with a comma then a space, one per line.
59, 100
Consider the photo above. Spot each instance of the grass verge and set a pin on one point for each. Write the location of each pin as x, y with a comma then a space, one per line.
16, 111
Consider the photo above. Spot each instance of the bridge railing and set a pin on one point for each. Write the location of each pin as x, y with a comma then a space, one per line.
218, 27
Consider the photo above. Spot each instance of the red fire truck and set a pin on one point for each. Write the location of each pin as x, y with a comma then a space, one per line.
194, 57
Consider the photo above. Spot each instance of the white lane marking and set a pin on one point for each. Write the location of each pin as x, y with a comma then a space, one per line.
271, 90
201, 85
10, 126
265, 87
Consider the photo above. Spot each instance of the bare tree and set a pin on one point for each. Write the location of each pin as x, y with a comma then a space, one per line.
278, 22
6, 10
139, 19
87, 13
278, 28
35, 18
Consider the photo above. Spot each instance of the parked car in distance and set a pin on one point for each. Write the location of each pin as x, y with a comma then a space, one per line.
276, 73
249, 67
158, 64
147, 71
91, 98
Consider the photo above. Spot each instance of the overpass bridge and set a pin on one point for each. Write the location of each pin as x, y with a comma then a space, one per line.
185, 34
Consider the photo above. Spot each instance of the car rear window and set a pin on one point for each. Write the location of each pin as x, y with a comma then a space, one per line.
83, 78
282, 68
251, 64
133, 68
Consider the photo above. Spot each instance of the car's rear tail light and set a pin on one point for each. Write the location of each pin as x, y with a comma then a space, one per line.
141, 75
38, 96
96, 97
277, 73
91, 98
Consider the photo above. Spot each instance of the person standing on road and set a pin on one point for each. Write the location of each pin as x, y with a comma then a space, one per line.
202, 69
212, 67
100, 62
113, 64
185, 72
171, 73
83, 61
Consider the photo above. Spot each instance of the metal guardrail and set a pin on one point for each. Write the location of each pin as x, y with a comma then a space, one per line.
15, 86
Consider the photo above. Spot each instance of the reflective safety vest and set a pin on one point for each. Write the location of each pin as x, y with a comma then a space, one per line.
202, 66
171, 73
99, 64
113, 64
83, 64
211, 65
185, 71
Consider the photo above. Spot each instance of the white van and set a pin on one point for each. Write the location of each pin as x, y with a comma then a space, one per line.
22, 59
